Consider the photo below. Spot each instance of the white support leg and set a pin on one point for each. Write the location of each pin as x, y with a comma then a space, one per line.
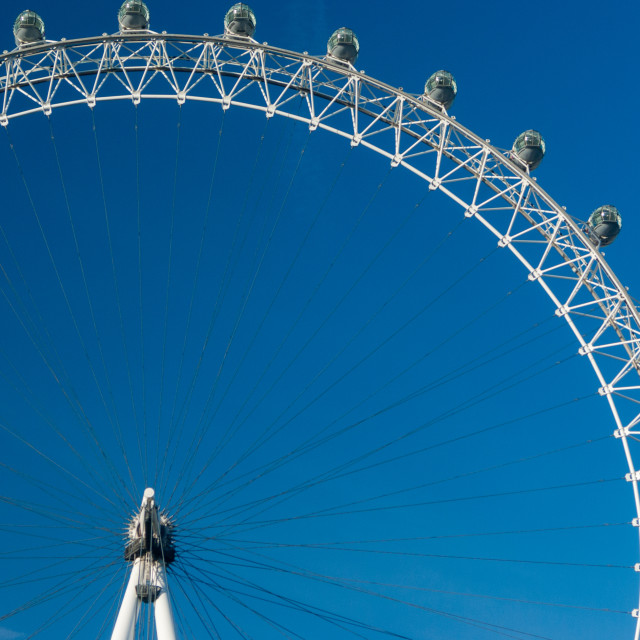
128, 615
165, 627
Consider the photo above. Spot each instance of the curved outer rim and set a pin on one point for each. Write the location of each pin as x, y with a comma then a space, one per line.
351, 104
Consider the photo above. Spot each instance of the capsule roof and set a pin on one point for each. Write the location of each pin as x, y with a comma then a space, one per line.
343, 45
28, 28
605, 224
441, 87
529, 147
133, 15
240, 20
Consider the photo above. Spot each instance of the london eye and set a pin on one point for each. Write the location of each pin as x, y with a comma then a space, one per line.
289, 351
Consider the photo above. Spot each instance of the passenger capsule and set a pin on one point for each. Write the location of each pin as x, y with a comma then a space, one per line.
441, 87
240, 21
529, 148
343, 45
605, 224
28, 28
133, 16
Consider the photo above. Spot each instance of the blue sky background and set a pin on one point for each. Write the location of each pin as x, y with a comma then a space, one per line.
454, 515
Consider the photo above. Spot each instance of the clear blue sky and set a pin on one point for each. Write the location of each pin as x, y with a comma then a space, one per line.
481, 494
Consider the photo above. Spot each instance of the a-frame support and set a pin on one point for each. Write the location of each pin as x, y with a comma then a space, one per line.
149, 550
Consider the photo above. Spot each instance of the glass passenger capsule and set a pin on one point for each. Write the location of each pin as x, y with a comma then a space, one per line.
28, 28
604, 224
343, 45
529, 147
133, 15
441, 87
240, 21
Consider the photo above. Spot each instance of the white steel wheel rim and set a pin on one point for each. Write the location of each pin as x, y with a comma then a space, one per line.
429, 143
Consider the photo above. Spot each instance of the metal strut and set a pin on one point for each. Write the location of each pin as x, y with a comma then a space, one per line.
149, 550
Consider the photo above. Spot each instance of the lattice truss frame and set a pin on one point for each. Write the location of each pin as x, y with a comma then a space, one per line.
408, 129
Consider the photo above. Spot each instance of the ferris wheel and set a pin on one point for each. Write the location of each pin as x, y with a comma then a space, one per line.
249, 394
